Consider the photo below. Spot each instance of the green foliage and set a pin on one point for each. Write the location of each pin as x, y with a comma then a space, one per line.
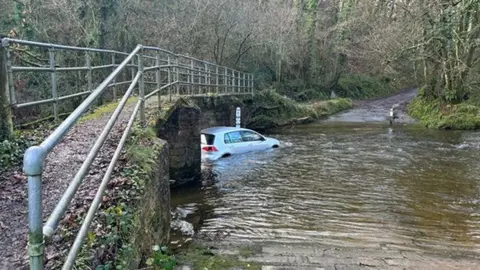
202, 258
329, 107
11, 151
311, 94
435, 115
284, 105
363, 86
271, 109
120, 216
161, 258
138, 153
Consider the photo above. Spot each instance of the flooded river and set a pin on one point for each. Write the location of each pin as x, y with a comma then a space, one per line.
345, 184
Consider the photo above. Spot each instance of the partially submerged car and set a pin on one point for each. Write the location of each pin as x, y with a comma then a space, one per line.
219, 142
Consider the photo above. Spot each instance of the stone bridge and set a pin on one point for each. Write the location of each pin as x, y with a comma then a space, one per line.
100, 94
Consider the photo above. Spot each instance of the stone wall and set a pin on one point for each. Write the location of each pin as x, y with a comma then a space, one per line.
181, 126
219, 110
153, 212
181, 129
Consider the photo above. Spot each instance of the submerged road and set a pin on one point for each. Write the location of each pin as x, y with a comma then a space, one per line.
346, 193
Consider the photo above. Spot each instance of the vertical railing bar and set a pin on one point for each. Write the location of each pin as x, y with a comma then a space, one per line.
11, 86
89, 72
192, 87
251, 83
232, 81
133, 68
114, 79
239, 82
207, 84
244, 89
177, 73
157, 78
225, 80
141, 90
216, 80
51, 53
169, 79
36, 244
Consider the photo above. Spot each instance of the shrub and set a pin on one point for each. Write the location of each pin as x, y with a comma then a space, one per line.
11, 151
362, 86
449, 116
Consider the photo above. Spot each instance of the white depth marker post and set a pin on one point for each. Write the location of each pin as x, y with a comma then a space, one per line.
239, 113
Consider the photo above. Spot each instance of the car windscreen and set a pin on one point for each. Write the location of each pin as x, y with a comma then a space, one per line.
207, 139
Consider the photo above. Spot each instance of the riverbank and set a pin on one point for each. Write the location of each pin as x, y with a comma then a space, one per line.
268, 109
433, 114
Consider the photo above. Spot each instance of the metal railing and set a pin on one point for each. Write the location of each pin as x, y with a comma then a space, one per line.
174, 75
192, 76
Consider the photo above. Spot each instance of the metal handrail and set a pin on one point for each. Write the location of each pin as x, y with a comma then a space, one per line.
191, 68
35, 156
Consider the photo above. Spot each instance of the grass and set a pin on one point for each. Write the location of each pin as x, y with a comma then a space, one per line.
433, 114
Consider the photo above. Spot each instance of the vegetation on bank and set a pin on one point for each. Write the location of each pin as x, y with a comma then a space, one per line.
434, 114
270, 109
201, 257
126, 234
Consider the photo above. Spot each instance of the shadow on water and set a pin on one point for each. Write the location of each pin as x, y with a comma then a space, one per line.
347, 185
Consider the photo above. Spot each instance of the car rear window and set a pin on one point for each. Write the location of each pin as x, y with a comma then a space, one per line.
207, 139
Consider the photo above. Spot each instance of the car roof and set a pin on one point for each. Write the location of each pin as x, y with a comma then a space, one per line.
214, 130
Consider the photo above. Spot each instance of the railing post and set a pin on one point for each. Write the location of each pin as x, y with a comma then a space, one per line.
33, 167
114, 79
177, 73
239, 83
133, 68
244, 89
216, 80
207, 83
158, 79
141, 90
169, 79
89, 72
6, 99
251, 83
225, 80
51, 53
192, 66
234, 83
11, 86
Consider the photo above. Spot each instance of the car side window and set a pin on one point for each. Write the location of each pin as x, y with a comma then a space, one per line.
249, 136
233, 137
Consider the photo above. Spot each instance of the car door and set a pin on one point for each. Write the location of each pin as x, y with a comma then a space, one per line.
254, 140
234, 141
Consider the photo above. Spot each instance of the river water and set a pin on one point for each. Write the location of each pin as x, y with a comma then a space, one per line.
344, 184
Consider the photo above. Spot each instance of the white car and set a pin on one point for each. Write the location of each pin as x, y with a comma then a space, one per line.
218, 142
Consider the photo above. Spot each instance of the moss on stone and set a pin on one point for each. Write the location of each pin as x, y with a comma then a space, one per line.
270, 109
104, 109
200, 257
433, 114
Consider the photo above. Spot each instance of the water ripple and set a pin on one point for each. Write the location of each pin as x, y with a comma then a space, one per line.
358, 186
